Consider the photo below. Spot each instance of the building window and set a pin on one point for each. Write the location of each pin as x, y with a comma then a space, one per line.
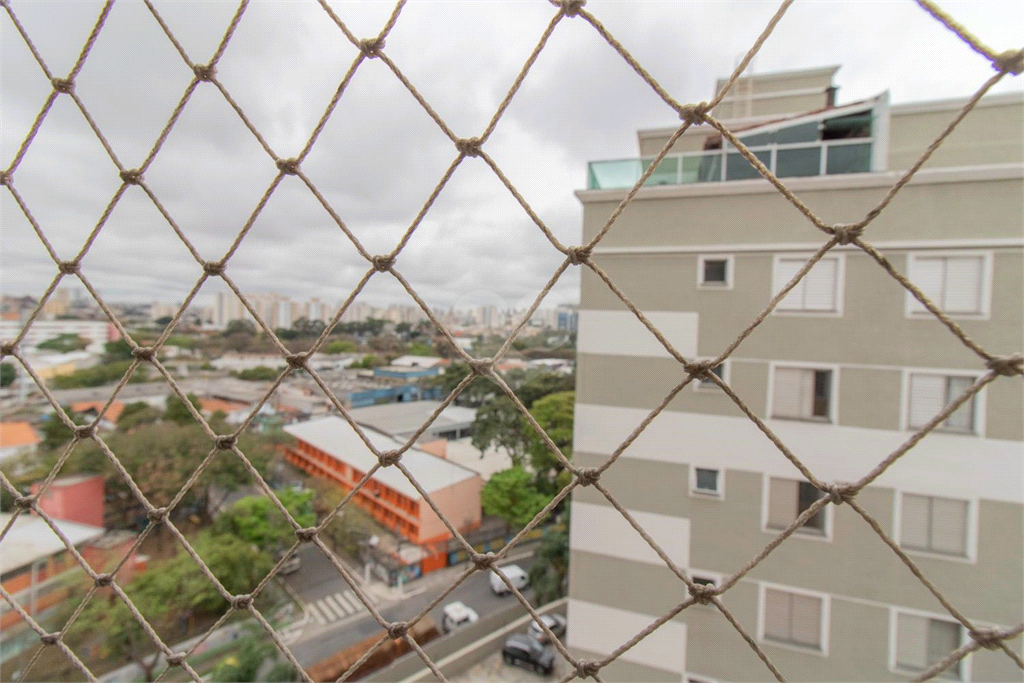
707, 481
787, 499
929, 394
933, 524
818, 291
721, 371
714, 271
802, 393
956, 283
923, 641
793, 618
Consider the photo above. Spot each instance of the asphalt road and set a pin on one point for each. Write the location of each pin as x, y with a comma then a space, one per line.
319, 584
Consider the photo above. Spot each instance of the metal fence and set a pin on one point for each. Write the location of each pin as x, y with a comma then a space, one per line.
384, 265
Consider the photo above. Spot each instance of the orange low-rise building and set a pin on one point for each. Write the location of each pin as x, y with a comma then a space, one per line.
329, 447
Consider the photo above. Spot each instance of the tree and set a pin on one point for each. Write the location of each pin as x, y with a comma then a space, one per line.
349, 526
420, 349
475, 393
499, 424
554, 414
531, 385
512, 496
136, 414
260, 373
339, 346
7, 374
307, 327
550, 570
257, 520
163, 321
368, 362
240, 327
178, 412
116, 351
64, 343
98, 375
244, 665
54, 432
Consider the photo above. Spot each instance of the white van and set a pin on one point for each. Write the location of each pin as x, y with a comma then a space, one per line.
456, 615
516, 574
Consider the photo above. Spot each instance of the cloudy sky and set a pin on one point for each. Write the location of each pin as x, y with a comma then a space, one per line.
380, 155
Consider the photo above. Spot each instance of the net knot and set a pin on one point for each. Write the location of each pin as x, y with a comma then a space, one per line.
176, 659
6, 349
24, 502
1011, 61
840, 493
483, 561
694, 114
143, 352
104, 580
700, 369
84, 431
63, 85
296, 360
204, 72
288, 166
50, 638
571, 8
587, 475
371, 47
703, 594
131, 176
241, 601
157, 515
68, 267
578, 255
988, 638
1007, 365
5, 178
480, 366
306, 535
587, 667
846, 234
225, 442
213, 268
383, 262
398, 629
389, 458
469, 146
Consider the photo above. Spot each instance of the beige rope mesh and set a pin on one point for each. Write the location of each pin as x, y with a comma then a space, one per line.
205, 75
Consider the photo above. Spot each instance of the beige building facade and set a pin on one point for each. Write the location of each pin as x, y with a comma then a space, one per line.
846, 368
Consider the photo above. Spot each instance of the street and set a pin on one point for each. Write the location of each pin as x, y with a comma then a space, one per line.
337, 620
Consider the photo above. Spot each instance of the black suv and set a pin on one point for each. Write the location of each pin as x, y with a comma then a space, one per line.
522, 650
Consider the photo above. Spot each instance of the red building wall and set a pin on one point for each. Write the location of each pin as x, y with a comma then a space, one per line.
76, 499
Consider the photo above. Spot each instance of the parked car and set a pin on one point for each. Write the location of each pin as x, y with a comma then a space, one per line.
516, 574
456, 615
291, 565
555, 622
523, 650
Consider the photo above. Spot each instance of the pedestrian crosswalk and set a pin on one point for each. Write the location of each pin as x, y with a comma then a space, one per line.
334, 607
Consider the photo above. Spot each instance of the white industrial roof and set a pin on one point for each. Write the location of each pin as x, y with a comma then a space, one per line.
31, 539
335, 436
407, 416
417, 361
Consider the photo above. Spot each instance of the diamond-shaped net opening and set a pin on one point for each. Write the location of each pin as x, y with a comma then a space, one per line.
270, 163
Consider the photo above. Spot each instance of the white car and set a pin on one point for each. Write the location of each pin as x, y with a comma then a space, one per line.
291, 565
457, 615
516, 574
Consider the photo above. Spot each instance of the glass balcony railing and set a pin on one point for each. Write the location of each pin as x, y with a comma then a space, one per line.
831, 157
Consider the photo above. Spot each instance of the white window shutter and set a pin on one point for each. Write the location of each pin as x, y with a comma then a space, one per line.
943, 638
949, 526
820, 285
782, 502
793, 392
776, 614
962, 420
963, 284
806, 620
911, 641
785, 269
927, 398
928, 274
914, 526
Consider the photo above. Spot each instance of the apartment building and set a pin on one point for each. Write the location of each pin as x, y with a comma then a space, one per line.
844, 370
